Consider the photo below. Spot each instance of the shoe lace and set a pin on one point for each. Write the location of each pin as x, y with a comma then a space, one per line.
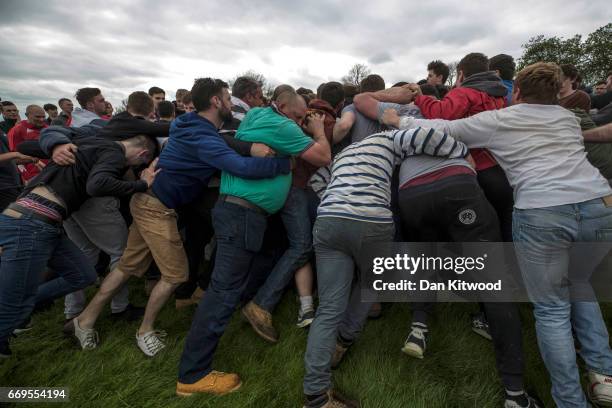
90, 340
153, 341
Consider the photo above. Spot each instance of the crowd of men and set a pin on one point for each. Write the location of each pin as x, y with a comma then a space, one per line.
224, 200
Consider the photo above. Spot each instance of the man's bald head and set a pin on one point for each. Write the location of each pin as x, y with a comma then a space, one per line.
292, 105
35, 115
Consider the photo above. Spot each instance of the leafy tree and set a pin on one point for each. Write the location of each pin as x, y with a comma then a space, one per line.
598, 53
592, 57
356, 74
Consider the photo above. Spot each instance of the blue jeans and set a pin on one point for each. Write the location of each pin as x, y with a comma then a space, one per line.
239, 233
337, 243
543, 238
299, 233
28, 247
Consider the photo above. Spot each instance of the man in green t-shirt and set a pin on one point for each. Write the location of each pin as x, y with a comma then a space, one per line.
240, 220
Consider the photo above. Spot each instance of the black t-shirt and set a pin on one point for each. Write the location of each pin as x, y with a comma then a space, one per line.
9, 175
98, 171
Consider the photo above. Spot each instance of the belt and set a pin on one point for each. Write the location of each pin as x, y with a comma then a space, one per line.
242, 202
34, 214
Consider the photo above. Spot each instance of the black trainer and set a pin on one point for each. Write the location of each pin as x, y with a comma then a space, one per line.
416, 343
521, 400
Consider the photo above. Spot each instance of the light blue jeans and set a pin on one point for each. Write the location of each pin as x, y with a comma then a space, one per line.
543, 239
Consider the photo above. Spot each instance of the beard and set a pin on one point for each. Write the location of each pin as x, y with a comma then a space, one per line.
226, 114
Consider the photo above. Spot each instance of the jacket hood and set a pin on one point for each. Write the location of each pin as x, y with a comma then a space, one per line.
487, 82
82, 117
190, 122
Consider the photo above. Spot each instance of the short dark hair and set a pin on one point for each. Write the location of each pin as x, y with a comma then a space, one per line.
144, 142
503, 63
85, 95
333, 93
319, 89
303, 91
439, 68
49, 106
428, 89
140, 103
602, 82
204, 89
62, 100
569, 71
244, 86
155, 90
398, 84
372, 83
7, 103
186, 99
350, 90
473, 63
165, 109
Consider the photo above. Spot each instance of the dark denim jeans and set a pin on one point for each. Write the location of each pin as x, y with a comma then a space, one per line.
28, 247
299, 233
239, 234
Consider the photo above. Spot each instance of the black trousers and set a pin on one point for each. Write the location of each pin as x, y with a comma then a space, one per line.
196, 219
455, 209
498, 191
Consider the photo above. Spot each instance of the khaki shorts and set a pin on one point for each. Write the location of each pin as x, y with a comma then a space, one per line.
154, 236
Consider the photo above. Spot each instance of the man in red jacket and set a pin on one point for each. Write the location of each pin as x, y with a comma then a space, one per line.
28, 129
476, 90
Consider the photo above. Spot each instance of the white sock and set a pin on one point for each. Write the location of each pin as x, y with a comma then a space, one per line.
306, 304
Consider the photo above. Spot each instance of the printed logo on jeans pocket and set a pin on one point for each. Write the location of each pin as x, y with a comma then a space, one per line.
467, 217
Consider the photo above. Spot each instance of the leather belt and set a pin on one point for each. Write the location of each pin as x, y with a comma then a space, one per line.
33, 214
242, 202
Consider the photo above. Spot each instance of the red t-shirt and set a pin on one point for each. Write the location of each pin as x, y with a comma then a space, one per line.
21, 132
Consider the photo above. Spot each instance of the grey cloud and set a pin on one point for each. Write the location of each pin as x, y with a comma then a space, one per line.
121, 46
380, 58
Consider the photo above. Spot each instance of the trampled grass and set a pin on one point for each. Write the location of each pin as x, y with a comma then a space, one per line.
458, 371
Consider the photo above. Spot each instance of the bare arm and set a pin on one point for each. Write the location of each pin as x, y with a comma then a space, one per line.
367, 102
602, 134
319, 153
343, 126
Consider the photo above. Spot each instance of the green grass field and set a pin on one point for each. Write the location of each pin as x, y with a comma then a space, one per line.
458, 371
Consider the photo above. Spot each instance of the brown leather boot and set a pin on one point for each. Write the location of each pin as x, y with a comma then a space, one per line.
261, 321
216, 382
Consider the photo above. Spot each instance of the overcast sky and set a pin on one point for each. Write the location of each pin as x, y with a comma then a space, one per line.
49, 49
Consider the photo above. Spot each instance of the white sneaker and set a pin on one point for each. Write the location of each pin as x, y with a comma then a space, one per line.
600, 389
88, 338
150, 343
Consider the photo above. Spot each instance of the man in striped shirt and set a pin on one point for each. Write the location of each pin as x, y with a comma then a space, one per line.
354, 211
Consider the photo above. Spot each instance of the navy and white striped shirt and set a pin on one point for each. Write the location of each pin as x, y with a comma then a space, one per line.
359, 183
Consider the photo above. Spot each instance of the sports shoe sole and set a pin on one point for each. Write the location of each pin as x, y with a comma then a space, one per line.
482, 333
305, 323
413, 350
188, 394
261, 334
